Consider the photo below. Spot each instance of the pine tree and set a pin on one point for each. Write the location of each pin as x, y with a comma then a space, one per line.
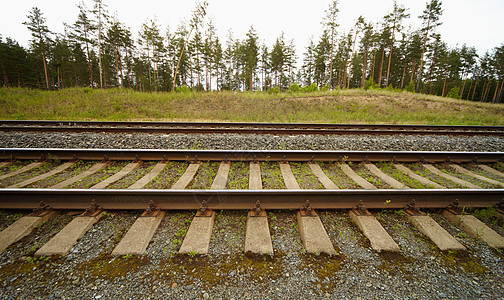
499, 66
251, 57
119, 40
277, 60
197, 18
209, 53
308, 68
430, 20
359, 25
331, 25
40, 33
366, 43
82, 32
396, 17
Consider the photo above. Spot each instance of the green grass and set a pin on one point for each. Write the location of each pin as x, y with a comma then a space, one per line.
346, 106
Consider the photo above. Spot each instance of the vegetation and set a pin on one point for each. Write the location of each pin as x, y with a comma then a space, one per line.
98, 51
343, 106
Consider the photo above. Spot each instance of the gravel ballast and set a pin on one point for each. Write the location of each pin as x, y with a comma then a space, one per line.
419, 271
252, 142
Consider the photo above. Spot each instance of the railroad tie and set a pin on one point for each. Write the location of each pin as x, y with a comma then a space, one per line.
257, 236
313, 234
443, 240
355, 177
186, 178
491, 170
197, 239
54, 171
322, 177
457, 180
288, 177
386, 178
477, 176
95, 168
63, 241
421, 179
21, 228
374, 231
220, 180
139, 184
136, 240
22, 170
123, 172
5, 163
475, 228
255, 181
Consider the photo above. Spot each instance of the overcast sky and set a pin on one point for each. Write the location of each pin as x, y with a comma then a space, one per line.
477, 23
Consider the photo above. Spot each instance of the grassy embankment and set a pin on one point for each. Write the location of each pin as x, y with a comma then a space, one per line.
346, 106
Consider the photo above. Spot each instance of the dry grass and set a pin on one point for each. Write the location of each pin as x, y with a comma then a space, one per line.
346, 106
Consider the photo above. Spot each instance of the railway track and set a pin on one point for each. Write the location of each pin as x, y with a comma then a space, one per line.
246, 128
324, 196
253, 197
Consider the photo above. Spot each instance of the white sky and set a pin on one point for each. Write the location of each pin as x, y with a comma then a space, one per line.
477, 23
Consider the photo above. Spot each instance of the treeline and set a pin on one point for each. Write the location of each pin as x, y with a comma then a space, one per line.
98, 51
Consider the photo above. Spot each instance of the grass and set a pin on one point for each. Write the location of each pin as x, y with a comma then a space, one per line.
347, 106
271, 176
238, 176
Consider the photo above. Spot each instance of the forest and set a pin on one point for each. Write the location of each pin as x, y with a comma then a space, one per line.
98, 51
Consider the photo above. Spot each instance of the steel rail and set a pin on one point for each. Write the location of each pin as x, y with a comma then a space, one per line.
248, 155
245, 199
244, 128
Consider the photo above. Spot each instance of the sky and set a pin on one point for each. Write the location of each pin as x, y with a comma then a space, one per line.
475, 23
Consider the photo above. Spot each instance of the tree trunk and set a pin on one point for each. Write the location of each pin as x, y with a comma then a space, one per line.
483, 98
403, 75
431, 71
230, 73
421, 59
487, 90
149, 68
45, 65
444, 83
89, 61
364, 68
351, 59
99, 47
463, 86
191, 68
116, 61
332, 58
499, 97
381, 65
469, 92
496, 89
251, 79
390, 52
120, 68
373, 68
343, 81
475, 85
180, 58
413, 70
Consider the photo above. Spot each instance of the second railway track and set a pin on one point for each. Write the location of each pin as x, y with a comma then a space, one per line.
246, 128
